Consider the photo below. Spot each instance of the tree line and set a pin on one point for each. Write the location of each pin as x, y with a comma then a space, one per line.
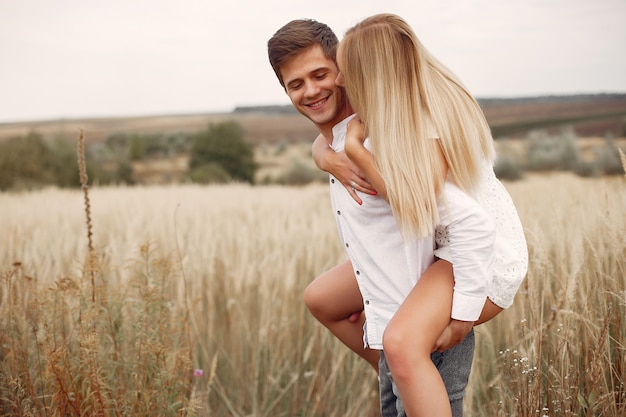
218, 153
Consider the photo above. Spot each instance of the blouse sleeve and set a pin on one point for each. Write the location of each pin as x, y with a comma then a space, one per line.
470, 232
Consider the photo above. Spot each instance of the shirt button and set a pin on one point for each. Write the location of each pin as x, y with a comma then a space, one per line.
358, 272
347, 245
339, 212
332, 180
367, 302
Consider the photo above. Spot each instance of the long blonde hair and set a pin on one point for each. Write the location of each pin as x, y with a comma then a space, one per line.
403, 94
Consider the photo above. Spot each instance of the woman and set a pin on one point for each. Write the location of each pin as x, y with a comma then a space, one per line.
407, 99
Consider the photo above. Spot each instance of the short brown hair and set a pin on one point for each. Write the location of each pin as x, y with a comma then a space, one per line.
297, 36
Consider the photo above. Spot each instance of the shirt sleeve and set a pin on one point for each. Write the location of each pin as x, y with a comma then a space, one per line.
471, 233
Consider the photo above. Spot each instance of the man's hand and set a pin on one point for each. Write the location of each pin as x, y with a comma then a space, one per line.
341, 167
453, 334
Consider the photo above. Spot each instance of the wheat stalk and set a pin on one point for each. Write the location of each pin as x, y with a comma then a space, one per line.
82, 169
623, 158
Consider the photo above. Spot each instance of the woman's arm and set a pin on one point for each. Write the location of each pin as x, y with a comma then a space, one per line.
364, 160
469, 246
341, 167
361, 157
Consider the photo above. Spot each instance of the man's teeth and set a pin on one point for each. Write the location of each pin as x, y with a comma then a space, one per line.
317, 103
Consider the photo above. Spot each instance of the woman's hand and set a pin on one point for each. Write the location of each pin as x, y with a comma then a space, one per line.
341, 167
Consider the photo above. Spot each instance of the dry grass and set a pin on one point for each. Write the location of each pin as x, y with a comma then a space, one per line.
211, 277
560, 350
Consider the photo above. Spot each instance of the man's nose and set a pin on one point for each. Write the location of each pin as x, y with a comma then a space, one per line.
311, 89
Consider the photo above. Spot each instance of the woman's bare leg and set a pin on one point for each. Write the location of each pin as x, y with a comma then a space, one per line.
333, 298
490, 310
409, 340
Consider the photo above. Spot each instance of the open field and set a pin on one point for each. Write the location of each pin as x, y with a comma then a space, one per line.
260, 127
591, 115
189, 278
155, 149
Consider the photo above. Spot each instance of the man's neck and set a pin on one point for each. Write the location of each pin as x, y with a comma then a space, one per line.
327, 129
327, 132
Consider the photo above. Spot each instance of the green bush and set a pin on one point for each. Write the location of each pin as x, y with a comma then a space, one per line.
608, 159
30, 162
507, 169
302, 174
223, 144
586, 169
156, 145
552, 152
209, 173
63, 160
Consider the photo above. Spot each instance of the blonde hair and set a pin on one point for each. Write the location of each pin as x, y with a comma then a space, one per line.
404, 95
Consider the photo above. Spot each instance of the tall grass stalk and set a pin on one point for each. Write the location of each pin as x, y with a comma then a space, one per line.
82, 170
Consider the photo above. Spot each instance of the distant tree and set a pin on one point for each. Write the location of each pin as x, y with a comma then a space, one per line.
25, 163
64, 161
223, 144
137, 148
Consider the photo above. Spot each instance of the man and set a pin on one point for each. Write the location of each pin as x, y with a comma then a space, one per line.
302, 54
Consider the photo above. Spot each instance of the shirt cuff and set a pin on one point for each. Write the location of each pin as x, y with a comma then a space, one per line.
467, 307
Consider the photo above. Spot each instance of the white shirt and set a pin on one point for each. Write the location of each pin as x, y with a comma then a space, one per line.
387, 267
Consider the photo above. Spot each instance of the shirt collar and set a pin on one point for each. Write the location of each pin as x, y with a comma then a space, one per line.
342, 125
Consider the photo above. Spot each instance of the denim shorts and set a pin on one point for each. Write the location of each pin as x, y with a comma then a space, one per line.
454, 365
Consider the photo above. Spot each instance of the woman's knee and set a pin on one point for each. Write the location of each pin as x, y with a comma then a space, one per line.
334, 295
396, 356
314, 299
402, 347
395, 346
309, 294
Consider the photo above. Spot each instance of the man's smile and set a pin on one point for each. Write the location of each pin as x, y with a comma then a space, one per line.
317, 104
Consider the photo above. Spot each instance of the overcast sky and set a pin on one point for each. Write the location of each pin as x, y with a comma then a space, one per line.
83, 58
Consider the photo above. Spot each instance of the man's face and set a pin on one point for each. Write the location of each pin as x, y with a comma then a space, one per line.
309, 79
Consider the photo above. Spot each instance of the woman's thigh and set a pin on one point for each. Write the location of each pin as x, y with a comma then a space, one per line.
335, 291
